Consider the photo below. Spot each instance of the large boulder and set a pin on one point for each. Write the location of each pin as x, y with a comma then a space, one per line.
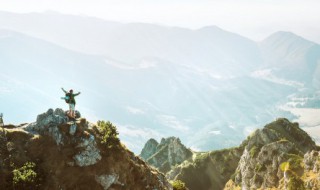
90, 153
54, 123
47, 124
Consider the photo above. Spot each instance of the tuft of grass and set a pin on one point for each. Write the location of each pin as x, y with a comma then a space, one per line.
283, 139
178, 185
254, 151
284, 166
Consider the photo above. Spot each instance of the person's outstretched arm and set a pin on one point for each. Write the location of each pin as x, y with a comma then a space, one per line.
77, 94
64, 90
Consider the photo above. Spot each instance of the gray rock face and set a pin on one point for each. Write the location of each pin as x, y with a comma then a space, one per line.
177, 152
77, 114
51, 117
262, 171
90, 155
279, 130
167, 154
149, 149
72, 129
47, 124
266, 149
312, 161
107, 180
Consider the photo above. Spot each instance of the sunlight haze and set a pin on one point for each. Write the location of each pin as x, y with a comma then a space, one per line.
253, 19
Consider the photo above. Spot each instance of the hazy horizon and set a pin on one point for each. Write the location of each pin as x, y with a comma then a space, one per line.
255, 20
210, 87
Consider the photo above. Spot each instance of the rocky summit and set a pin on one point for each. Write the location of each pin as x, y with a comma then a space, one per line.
166, 154
55, 153
279, 156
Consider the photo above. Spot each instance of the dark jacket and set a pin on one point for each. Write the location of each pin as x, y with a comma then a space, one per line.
72, 100
71, 95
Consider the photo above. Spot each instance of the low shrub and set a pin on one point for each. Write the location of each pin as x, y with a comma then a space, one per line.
108, 133
178, 185
26, 177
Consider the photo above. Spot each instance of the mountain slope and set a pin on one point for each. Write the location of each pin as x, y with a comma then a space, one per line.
207, 170
273, 157
292, 57
254, 164
68, 31
53, 153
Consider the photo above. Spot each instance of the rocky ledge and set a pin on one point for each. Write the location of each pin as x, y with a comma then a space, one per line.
55, 153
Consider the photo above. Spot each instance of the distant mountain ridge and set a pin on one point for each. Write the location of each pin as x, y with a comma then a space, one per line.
293, 57
138, 40
208, 85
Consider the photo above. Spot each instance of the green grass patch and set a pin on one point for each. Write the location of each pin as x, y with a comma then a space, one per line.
254, 151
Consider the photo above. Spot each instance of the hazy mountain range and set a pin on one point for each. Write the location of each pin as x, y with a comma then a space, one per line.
210, 87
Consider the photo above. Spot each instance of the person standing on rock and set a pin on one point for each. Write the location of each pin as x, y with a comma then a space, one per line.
69, 98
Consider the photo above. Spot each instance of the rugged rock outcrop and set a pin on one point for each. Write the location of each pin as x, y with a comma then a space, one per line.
311, 174
273, 157
166, 154
199, 170
277, 156
149, 149
51, 123
262, 170
54, 153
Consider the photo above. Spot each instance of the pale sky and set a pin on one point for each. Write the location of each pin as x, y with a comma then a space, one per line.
255, 19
